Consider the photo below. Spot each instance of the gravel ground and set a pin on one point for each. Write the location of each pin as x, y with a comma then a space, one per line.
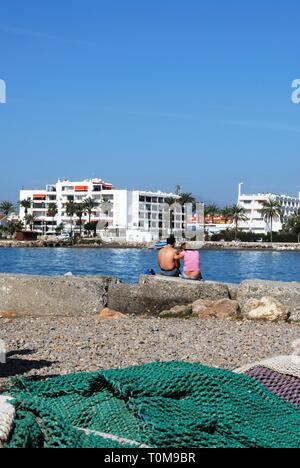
47, 346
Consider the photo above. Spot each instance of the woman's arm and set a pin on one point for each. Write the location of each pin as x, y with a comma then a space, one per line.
178, 256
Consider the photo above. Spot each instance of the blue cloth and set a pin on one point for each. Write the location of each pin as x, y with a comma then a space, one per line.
173, 273
150, 272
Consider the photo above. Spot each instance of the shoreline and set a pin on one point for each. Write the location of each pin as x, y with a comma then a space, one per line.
209, 246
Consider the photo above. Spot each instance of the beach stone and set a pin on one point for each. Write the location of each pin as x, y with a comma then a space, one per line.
177, 312
287, 294
28, 295
266, 308
155, 294
222, 309
107, 313
7, 315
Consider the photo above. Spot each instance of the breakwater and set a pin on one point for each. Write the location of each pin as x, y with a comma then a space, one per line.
38, 296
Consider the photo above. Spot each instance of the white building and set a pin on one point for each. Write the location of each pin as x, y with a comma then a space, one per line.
253, 205
129, 214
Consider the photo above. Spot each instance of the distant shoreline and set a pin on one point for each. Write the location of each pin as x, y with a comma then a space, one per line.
212, 246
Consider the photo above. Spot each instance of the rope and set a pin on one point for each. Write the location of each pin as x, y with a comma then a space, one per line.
287, 365
113, 437
7, 415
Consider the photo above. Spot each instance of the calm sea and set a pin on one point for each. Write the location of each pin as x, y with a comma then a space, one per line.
128, 264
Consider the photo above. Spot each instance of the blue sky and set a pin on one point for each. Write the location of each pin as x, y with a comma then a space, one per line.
150, 94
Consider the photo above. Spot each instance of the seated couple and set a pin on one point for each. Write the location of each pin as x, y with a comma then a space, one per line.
169, 261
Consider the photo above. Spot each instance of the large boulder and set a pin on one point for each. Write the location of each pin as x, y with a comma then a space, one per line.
222, 309
155, 294
177, 312
266, 308
287, 294
109, 314
54, 296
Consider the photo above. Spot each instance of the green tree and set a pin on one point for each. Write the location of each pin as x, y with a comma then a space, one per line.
91, 227
12, 227
26, 204
30, 218
186, 198
89, 206
70, 212
79, 213
238, 215
293, 224
52, 212
227, 213
212, 211
272, 209
6, 207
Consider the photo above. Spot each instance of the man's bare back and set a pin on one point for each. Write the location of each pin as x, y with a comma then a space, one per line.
166, 258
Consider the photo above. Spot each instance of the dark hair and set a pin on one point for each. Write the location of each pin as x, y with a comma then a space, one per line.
171, 240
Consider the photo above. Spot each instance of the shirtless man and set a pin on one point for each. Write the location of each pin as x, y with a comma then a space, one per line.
167, 262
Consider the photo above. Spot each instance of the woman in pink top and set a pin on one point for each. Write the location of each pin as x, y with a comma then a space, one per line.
191, 267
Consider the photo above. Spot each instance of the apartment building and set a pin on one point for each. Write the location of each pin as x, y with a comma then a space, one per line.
253, 206
131, 214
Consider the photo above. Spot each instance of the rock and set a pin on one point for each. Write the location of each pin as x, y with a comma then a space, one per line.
28, 295
154, 294
111, 314
222, 309
201, 308
233, 291
177, 312
266, 308
287, 294
69, 274
7, 315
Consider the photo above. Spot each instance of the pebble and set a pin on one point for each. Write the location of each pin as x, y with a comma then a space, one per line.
48, 346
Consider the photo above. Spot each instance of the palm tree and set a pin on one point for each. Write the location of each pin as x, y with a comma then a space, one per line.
79, 211
89, 205
184, 199
238, 214
70, 211
212, 210
272, 208
52, 212
12, 227
30, 218
6, 207
26, 204
293, 224
227, 213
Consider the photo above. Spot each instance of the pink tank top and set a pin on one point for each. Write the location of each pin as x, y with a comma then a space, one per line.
191, 261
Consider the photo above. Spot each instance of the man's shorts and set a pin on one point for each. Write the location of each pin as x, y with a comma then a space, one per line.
172, 273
